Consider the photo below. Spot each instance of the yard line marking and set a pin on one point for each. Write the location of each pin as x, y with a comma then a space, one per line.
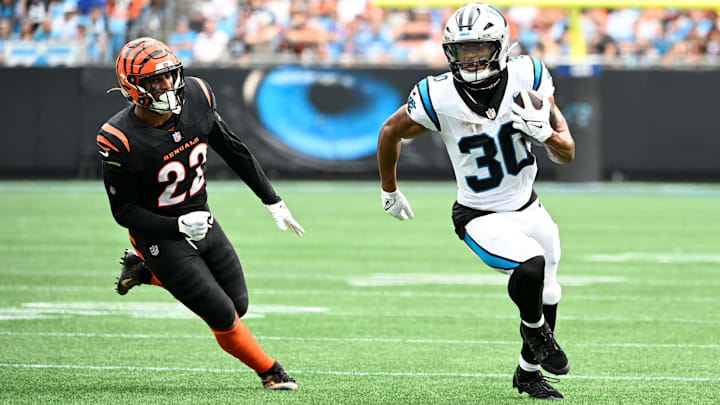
111, 274
512, 317
478, 295
175, 310
355, 340
406, 279
384, 279
391, 294
362, 187
58, 288
651, 257
153, 310
351, 373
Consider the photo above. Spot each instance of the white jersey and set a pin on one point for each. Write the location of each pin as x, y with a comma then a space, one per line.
494, 166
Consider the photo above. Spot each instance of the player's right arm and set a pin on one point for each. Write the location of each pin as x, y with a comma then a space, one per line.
122, 187
396, 128
409, 121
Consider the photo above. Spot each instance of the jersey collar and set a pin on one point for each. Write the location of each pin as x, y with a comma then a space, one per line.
485, 103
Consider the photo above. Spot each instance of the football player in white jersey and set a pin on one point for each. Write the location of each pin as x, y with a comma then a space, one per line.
488, 138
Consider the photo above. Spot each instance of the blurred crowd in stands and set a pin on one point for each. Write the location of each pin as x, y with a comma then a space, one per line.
341, 32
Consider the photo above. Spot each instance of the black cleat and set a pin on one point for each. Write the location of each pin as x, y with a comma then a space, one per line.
130, 272
277, 379
535, 384
546, 350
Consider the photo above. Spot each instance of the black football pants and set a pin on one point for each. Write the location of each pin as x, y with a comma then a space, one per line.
209, 280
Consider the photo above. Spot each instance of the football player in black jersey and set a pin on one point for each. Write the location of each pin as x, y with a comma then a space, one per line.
154, 154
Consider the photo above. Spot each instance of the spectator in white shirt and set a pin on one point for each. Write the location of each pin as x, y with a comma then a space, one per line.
210, 45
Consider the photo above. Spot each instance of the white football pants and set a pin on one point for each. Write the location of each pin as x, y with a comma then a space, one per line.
503, 240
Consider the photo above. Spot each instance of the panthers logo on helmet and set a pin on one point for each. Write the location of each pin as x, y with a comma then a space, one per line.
146, 57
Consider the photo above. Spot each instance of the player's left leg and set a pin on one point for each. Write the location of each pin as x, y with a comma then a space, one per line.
223, 262
502, 241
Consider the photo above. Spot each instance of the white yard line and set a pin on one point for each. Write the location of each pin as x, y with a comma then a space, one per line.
38, 312
655, 258
175, 310
710, 190
350, 373
353, 340
390, 294
513, 317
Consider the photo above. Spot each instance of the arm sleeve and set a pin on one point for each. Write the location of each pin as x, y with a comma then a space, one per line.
122, 190
241, 160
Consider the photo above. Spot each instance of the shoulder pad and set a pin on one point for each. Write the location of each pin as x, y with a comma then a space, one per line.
200, 89
420, 106
112, 144
534, 74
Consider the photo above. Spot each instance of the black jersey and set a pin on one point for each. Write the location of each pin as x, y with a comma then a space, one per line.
155, 174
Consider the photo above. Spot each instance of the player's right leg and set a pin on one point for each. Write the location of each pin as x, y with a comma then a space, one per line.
535, 384
133, 272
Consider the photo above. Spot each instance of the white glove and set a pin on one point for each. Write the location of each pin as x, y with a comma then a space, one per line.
396, 205
535, 123
283, 218
195, 225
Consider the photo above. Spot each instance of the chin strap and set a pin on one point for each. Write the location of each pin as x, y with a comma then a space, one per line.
481, 86
166, 102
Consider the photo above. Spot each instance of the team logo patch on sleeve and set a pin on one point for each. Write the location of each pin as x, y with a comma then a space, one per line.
410, 104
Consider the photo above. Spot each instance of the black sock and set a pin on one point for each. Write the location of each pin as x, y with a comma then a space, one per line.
550, 313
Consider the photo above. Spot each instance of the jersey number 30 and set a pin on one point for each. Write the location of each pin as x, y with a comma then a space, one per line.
490, 150
198, 156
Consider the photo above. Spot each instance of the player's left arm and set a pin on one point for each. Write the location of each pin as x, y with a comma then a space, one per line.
241, 160
560, 146
237, 155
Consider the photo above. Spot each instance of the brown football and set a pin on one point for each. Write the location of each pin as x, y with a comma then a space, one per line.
535, 98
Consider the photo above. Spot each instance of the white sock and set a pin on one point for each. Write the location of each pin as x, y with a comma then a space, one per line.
537, 324
528, 366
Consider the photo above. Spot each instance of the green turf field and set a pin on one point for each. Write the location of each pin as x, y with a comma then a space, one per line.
364, 309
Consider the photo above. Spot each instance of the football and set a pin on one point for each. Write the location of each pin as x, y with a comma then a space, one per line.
535, 98
537, 102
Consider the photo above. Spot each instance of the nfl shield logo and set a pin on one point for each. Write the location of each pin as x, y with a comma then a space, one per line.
154, 250
177, 136
490, 113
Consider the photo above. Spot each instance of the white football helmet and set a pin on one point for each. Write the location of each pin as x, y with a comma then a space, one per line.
476, 41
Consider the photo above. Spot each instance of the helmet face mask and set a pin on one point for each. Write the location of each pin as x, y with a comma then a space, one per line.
141, 60
476, 42
475, 60
162, 100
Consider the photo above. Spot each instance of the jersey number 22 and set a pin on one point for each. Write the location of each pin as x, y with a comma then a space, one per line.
198, 156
